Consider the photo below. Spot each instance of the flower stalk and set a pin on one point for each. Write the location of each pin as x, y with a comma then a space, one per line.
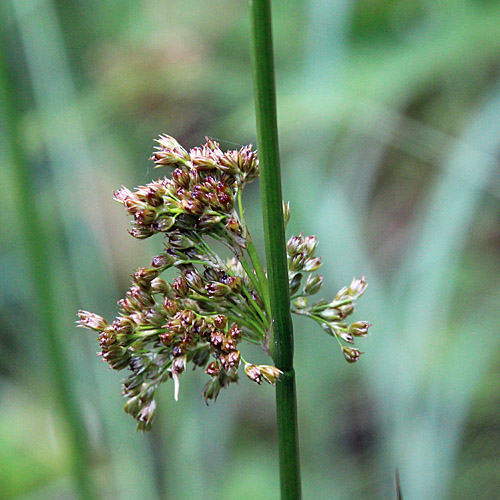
276, 257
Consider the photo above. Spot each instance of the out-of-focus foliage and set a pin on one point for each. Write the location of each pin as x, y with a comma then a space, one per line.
390, 129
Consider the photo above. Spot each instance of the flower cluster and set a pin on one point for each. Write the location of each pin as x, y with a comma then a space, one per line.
330, 315
213, 305
200, 195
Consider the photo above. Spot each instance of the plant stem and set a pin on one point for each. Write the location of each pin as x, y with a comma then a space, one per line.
274, 231
37, 249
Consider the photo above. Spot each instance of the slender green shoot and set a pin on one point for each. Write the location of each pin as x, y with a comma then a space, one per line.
276, 257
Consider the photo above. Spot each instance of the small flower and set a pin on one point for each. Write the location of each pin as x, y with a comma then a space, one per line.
169, 152
257, 373
312, 264
351, 354
357, 287
91, 320
313, 285
211, 389
359, 328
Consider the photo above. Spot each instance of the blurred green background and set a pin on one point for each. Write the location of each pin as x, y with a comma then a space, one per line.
389, 115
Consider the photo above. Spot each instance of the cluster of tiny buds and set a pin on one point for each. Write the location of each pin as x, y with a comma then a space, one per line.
212, 305
200, 195
161, 328
330, 316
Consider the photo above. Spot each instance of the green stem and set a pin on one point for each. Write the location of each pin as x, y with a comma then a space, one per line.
37, 247
274, 231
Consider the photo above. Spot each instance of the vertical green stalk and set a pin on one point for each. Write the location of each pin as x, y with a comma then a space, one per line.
274, 231
37, 249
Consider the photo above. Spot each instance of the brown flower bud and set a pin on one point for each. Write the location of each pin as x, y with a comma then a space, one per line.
297, 262
234, 226
216, 338
162, 261
235, 333
166, 338
92, 321
123, 325
228, 345
169, 152
145, 216
141, 232
357, 287
351, 354
230, 360
179, 364
295, 283
180, 287
226, 201
309, 245
194, 280
216, 289
359, 328
107, 338
143, 277
294, 245
164, 223
208, 221
213, 369
253, 372
171, 306
140, 296
211, 389
313, 284
312, 264
270, 373
220, 321
181, 178
122, 195
160, 286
